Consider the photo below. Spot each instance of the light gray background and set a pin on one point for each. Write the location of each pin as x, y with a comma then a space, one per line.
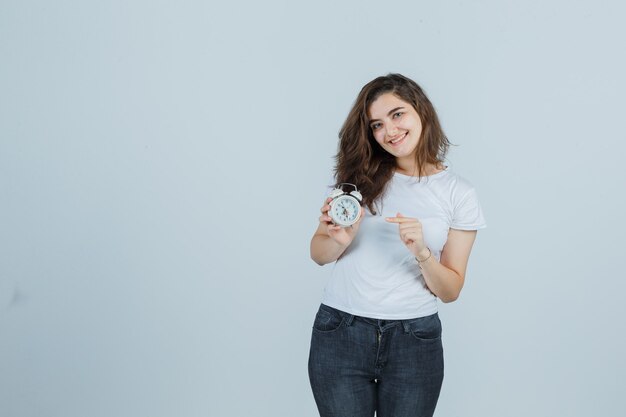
161, 166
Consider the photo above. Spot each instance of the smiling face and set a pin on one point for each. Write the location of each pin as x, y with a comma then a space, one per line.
397, 128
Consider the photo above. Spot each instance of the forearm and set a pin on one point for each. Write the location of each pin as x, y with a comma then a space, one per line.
325, 250
441, 280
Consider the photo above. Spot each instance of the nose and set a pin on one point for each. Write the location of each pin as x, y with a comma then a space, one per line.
392, 130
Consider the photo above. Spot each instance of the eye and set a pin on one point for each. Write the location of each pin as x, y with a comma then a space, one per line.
398, 114
375, 126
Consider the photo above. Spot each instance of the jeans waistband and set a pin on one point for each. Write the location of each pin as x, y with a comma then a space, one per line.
378, 323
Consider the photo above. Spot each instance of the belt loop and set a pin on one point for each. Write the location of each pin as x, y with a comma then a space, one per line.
406, 326
349, 319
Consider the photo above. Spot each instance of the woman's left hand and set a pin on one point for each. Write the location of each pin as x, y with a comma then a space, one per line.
411, 234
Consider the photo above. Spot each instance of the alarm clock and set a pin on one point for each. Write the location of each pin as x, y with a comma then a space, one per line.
345, 208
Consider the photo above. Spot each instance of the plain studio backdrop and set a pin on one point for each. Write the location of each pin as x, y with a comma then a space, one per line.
161, 170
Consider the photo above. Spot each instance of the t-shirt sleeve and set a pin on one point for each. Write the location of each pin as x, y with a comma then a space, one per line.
468, 214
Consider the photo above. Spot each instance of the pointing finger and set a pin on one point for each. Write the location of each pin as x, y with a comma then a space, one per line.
400, 219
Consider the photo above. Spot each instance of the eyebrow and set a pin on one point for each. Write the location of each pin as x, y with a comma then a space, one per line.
388, 114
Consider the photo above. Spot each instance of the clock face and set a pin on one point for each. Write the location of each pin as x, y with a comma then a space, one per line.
345, 210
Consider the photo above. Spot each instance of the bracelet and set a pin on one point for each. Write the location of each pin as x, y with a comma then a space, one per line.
430, 253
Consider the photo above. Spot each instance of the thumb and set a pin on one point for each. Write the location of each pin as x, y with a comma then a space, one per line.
399, 214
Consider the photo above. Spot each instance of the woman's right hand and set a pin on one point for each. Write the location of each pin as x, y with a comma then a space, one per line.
341, 235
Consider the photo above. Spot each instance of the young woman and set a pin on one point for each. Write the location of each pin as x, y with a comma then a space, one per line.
376, 339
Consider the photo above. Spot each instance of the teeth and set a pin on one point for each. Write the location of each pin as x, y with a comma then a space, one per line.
395, 140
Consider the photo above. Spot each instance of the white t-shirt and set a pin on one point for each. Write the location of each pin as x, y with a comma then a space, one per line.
377, 276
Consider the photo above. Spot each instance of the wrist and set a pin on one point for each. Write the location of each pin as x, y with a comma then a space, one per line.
423, 256
340, 244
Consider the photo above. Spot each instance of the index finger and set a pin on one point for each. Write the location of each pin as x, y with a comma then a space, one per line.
400, 219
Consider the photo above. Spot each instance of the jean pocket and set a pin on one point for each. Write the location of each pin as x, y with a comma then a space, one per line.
327, 320
426, 329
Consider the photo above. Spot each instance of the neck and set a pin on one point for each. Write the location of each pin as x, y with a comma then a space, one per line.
410, 168
406, 166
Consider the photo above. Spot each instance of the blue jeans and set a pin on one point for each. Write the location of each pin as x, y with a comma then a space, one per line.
358, 365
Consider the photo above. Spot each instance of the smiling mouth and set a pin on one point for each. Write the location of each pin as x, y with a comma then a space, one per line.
397, 140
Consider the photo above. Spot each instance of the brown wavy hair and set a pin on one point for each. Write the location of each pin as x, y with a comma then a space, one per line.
360, 160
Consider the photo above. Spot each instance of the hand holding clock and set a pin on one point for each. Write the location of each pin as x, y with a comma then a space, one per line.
411, 234
341, 235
